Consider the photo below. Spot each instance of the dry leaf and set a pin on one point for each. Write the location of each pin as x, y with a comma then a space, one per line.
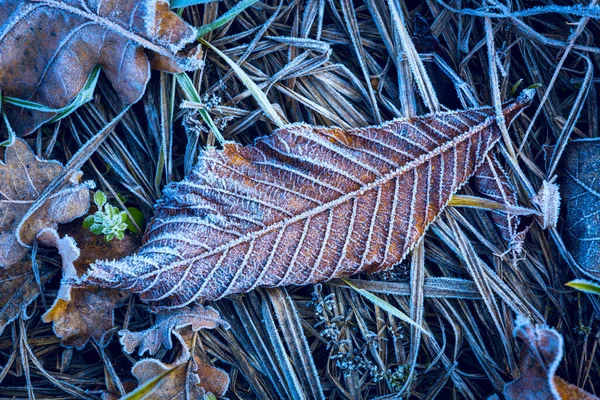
79, 314
169, 323
580, 185
48, 49
540, 358
197, 378
18, 289
23, 177
304, 205
88, 314
94, 247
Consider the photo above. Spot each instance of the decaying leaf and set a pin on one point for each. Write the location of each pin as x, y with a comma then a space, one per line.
167, 324
23, 178
192, 381
79, 314
197, 378
88, 314
303, 205
48, 49
581, 187
540, 357
18, 288
94, 247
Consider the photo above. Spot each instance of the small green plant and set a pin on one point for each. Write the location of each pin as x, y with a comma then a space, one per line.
107, 221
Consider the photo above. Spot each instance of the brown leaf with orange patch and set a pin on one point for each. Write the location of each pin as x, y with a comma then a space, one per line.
196, 378
540, 357
48, 49
193, 381
88, 314
304, 205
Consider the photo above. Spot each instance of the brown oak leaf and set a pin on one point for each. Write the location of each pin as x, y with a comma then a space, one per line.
192, 380
48, 49
540, 357
304, 205
23, 178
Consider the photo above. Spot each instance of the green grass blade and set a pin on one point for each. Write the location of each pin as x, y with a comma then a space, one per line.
584, 285
11, 134
384, 305
258, 94
187, 3
223, 19
85, 95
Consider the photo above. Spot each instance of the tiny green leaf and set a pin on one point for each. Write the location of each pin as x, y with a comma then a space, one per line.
100, 198
515, 86
88, 222
96, 229
139, 219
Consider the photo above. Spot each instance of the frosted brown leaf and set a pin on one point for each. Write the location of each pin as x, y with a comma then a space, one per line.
303, 205
48, 49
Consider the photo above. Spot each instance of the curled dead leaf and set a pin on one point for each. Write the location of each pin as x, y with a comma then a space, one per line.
170, 323
23, 178
194, 380
48, 49
540, 357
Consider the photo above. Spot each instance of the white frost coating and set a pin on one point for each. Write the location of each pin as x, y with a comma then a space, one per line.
548, 200
152, 23
150, 18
